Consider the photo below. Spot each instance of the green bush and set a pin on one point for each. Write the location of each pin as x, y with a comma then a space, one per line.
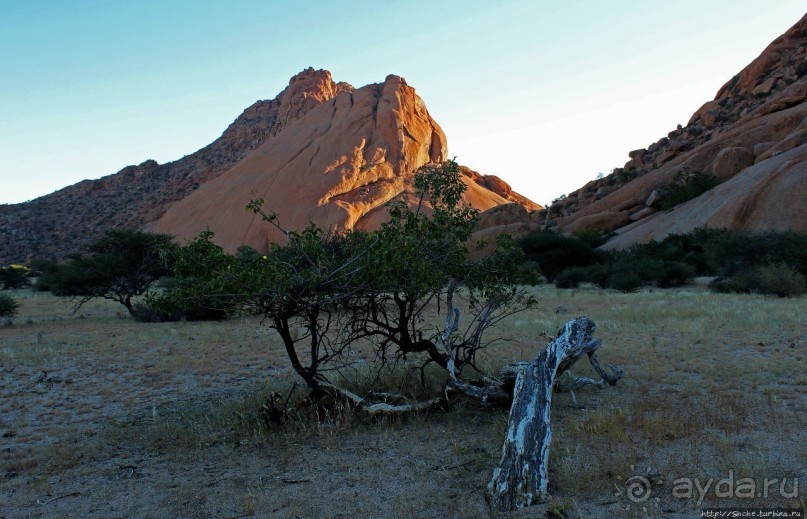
598, 274
571, 278
685, 186
720, 252
165, 309
674, 274
592, 237
8, 307
120, 265
779, 279
625, 281
554, 252
14, 277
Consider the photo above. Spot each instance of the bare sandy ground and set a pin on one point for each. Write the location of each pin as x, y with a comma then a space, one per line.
104, 417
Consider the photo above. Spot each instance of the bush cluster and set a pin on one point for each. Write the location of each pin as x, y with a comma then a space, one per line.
554, 252
14, 277
767, 263
781, 280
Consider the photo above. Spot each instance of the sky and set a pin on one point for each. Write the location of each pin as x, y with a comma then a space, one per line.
545, 94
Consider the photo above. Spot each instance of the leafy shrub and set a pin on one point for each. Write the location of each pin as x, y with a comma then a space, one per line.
571, 278
723, 253
731, 252
778, 279
663, 274
781, 280
14, 277
598, 274
554, 252
592, 237
119, 266
673, 274
164, 309
8, 307
685, 186
625, 281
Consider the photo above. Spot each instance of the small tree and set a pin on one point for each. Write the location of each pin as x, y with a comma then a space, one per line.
324, 292
119, 266
8, 308
14, 276
395, 290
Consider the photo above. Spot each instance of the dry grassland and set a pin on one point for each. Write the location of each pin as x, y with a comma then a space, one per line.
104, 417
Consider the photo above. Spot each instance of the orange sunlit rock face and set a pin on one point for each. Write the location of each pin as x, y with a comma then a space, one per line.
337, 166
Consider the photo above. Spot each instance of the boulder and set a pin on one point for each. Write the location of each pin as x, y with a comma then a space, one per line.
654, 200
730, 161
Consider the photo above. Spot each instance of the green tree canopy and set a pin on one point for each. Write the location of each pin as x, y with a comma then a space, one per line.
323, 292
119, 266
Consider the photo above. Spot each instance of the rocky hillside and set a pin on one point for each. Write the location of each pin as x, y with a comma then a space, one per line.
752, 138
337, 166
144, 196
53, 225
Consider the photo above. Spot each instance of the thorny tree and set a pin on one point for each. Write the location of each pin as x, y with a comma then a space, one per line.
395, 289
119, 266
324, 293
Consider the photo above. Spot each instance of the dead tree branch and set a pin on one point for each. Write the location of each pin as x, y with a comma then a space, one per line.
521, 478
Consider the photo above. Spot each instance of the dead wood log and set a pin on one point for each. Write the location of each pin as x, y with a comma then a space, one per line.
521, 478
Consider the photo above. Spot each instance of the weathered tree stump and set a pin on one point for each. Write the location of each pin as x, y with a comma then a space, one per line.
521, 477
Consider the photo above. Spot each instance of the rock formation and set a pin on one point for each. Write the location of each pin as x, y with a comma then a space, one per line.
320, 151
54, 225
752, 137
337, 166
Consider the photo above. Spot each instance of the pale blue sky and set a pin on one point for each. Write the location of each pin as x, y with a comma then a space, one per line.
545, 94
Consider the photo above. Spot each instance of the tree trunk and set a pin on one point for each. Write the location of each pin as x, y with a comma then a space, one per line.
521, 478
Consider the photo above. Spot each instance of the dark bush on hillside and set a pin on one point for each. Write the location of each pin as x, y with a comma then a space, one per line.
554, 252
724, 253
14, 277
571, 278
8, 307
687, 248
736, 251
686, 186
592, 237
